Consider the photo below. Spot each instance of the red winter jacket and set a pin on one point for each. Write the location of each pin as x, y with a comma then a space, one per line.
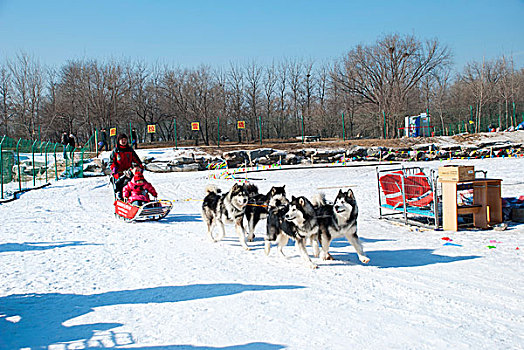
122, 159
139, 191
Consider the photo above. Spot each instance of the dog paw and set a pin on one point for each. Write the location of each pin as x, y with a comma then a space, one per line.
326, 256
364, 259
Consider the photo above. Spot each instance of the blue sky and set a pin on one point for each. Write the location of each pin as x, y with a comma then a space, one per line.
190, 33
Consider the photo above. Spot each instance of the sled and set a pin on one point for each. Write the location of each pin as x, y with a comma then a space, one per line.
154, 210
410, 193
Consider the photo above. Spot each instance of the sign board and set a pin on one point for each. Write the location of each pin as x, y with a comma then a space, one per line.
112, 132
151, 129
195, 126
241, 124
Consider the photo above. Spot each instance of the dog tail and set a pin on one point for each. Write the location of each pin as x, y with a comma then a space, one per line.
251, 188
319, 199
212, 189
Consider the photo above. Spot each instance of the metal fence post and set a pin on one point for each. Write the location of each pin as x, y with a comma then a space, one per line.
174, 124
82, 164
343, 129
73, 163
46, 145
260, 128
2, 168
34, 167
56, 169
18, 161
302, 118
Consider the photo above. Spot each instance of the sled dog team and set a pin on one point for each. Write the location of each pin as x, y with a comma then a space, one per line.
306, 221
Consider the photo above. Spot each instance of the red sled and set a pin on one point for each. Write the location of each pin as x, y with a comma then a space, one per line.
417, 189
154, 210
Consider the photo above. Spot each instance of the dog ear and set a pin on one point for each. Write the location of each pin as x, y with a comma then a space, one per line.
293, 198
273, 190
302, 202
350, 193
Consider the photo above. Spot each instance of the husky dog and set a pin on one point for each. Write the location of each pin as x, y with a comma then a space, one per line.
337, 220
278, 229
225, 208
301, 214
257, 208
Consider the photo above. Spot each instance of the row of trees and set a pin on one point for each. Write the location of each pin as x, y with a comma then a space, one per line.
375, 86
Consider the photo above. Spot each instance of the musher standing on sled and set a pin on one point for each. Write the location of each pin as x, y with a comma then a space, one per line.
121, 161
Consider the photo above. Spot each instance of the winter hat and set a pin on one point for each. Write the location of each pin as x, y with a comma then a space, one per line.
120, 137
138, 176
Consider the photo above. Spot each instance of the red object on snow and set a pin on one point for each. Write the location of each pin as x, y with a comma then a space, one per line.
447, 239
125, 210
417, 189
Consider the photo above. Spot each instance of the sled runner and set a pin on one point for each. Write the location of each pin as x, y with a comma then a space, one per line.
154, 210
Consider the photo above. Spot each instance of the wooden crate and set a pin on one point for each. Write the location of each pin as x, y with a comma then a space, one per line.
456, 173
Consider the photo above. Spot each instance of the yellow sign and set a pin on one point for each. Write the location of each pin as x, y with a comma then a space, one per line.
195, 126
151, 129
471, 121
241, 124
112, 132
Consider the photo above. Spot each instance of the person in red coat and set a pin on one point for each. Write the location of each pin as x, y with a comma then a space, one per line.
137, 190
122, 160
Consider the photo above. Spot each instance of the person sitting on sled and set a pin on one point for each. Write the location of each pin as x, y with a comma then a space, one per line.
121, 161
137, 190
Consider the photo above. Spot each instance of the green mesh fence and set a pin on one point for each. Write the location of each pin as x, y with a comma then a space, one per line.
26, 164
8, 161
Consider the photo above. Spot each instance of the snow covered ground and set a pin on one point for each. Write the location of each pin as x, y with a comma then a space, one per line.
74, 277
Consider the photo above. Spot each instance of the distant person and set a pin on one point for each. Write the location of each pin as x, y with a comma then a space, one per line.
103, 140
72, 141
134, 141
65, 142
72, 144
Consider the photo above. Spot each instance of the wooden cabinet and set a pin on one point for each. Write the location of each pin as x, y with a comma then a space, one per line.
486, 208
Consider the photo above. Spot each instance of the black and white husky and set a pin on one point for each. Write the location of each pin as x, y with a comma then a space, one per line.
224, 208
304, 227
257, 208
338, 220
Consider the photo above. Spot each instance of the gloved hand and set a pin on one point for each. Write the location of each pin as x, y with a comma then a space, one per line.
128, 173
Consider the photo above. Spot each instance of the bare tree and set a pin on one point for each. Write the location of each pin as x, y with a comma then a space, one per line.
5, 98
281, 85
253, 95
27, 81
236, 86
482, 79
295, 81
384, 74
270, 82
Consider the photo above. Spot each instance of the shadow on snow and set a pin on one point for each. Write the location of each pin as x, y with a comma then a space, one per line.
27, 246
42, 316
403, 258
343, 242
181, 218
248, 346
